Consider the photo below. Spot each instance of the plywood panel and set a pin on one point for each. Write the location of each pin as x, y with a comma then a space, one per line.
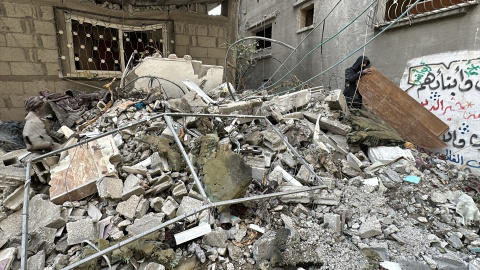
411, 120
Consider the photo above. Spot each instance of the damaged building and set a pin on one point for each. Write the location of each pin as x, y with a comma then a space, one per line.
152, 135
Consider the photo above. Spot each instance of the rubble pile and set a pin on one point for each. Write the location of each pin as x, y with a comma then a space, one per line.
372, 204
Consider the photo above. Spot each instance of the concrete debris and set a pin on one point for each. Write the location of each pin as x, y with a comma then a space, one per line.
140, 177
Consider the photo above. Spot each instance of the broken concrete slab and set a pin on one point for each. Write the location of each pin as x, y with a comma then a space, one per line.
170, 207
110, 187
43, 213
15, 200
334, 126
75, 177
132, 186
81, 230
336, 101
371, 227
223, 172
333, 221
128, 208
273, 141
12, 176
145, 223
10, 227
37, 261
179, 190
188, 204
217, 238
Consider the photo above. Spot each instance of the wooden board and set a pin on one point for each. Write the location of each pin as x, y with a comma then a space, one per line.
409, 118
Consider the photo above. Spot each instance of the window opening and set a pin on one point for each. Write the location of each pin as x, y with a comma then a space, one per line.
267, 33
306, 16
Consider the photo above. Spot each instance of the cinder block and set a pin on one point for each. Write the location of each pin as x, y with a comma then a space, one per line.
5, 69
213, 30
12, 54
16, 10
208, 42
179, 27
198, 53
79, 231
48, 41
209, 61
32, 88
216, 53
180, 51
44, 13
202, 30
42, 27
26, 68
16, 101
190, 29
17, 40
48, 56
182, 40
11, 87
3, 40
17, 114
52, 68
12, 24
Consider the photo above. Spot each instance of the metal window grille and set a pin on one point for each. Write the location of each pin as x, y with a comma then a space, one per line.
100, 49
389, 10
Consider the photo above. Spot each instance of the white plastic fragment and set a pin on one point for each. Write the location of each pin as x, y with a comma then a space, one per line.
192, 233
256, 228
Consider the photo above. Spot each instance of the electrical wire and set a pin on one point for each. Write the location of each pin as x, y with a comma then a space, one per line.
352, 53
300, 43
319, 46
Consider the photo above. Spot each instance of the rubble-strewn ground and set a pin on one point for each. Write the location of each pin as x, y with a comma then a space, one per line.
367, 217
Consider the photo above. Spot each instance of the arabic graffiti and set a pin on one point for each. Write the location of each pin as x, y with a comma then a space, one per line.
451, 91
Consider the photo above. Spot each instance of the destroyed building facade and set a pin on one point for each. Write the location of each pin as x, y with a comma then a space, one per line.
431, 53
59, 45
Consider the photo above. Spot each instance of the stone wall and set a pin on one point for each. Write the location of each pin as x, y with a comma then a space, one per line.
29, 50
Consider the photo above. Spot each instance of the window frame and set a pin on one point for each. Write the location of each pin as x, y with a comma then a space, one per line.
72, 72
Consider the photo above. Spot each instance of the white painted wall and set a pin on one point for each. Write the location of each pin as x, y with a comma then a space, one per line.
448, 85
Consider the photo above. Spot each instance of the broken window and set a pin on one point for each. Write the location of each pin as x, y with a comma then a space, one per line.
101, 49
392, 9
306, 16
267, 33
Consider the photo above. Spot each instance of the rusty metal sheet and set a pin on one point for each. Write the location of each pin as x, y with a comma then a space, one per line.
409, 118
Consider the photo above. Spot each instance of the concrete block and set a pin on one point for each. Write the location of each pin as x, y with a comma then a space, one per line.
44, 213
371, 227
32, 88
13, 54
207, 42
259, 173
142, 208
180, 27
181, 40
179, 190
132, 187
16, 10
145, 223
201, 30
128, 208
110, 187
52, 68
81, 230
24, 68
48, 41
14, 201
10, 227
11, 87
304, 176
288, 102
300, 209
198, 53
24, 40
156, 203
217, 238
217, 53
44, 27
42, 238
44, 13
11, 176
188, 204
302, 197
37, 261
273, 141
86, 165
5, 70
170, 207
333, 221
334, 126
47, 56
14, 25
336, 101
16, 114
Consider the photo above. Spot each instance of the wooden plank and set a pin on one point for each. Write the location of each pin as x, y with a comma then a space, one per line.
409, 118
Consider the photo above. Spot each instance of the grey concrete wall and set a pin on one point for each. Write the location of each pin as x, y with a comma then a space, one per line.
29, 60
389, 53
